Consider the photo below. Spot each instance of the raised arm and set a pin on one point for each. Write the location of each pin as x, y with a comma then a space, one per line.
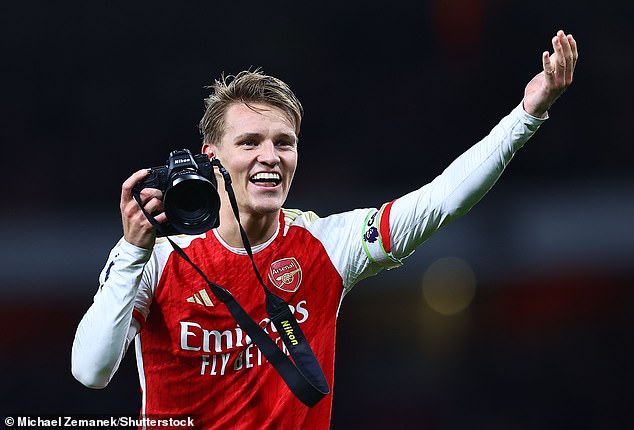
414, 217
408, 221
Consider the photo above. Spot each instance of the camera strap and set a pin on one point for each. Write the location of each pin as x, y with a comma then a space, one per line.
303, 375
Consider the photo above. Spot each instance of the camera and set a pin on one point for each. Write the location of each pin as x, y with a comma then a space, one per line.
190, 193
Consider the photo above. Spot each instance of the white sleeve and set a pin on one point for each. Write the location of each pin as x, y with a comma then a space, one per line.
341, 236
108, 327
393, 232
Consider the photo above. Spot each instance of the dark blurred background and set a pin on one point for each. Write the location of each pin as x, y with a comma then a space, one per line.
535, 335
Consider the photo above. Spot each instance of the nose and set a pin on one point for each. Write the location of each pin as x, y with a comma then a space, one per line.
268, 154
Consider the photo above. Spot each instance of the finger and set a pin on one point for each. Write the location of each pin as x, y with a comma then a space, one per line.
161, 218
565, 45
147, 194
128, 184
549, 71
155, 208
153, 205
575, 52
560, 64
568, 57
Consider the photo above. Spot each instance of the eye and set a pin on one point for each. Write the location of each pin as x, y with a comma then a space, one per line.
248, 143
285, 144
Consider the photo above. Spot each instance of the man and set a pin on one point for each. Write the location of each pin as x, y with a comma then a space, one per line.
193, 358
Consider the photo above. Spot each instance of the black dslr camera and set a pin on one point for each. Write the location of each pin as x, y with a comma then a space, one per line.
190, 193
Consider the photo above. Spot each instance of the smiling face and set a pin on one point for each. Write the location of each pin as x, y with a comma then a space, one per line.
259, 150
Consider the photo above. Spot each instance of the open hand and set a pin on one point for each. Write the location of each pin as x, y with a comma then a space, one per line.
558, 70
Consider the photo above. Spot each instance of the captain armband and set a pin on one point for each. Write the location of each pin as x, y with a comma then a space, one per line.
376, 238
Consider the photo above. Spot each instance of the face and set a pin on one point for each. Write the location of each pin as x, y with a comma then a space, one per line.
259, 150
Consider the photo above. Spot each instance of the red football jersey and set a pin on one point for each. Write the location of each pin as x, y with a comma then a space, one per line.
195, 359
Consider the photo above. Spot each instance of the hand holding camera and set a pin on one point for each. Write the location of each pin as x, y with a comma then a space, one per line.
185, 188
137, 230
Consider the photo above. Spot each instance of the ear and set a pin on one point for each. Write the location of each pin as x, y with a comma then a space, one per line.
209, 150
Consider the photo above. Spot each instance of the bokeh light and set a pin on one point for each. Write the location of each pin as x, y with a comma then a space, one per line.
449, 285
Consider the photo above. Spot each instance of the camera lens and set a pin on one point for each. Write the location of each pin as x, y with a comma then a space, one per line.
191, 203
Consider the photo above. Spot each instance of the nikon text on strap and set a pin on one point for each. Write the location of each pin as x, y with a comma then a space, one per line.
303, 375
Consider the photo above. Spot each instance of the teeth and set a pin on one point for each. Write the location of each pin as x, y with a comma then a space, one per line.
266, 177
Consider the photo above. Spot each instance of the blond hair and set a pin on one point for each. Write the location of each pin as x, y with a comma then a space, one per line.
246, 87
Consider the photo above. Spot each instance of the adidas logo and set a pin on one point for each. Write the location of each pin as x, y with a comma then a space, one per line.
201, 297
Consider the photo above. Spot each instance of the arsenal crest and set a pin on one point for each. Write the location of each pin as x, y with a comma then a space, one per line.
286, 274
